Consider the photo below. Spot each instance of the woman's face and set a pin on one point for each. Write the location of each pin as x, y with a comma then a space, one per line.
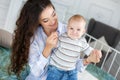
48, 20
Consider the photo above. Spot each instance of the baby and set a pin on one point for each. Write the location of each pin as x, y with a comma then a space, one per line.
70, 45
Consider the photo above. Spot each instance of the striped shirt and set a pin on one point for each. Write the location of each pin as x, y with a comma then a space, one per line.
68, 52
37, 62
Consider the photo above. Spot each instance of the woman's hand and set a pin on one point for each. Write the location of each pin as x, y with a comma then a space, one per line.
51, 43
52, 40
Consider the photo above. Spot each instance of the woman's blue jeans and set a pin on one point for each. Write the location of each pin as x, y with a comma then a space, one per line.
57, 74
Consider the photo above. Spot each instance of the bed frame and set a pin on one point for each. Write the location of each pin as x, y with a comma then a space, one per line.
108, 61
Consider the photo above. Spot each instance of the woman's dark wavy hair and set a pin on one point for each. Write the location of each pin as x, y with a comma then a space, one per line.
27, 24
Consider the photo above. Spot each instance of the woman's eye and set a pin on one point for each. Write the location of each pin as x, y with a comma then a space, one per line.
45, 21
54, 14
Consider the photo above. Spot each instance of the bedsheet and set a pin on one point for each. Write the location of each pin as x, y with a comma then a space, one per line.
5, 61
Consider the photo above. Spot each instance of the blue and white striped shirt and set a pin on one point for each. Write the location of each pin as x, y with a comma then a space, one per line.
37, 62
69, 51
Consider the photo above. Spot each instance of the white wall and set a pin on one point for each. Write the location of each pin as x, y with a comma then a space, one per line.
9, 13
12, 15
4, 6
106, 11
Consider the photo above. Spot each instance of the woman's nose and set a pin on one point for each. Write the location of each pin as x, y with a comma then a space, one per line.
52, 21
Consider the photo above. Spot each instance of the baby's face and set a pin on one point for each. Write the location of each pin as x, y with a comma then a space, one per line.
75, 29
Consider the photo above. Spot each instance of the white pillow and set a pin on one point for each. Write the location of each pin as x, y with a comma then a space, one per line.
99, 43
5, 38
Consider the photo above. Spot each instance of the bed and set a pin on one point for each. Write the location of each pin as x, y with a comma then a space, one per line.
103, 71
4, 63
108, 40
92, 71
5, 52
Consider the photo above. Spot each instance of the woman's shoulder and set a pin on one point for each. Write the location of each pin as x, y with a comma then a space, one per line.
62, 24
38, 33
38, 30
62, 27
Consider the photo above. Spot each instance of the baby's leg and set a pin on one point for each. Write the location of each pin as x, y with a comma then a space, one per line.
53, 73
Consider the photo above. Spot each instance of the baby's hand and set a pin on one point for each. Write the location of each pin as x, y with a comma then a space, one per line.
95, 56
97, 53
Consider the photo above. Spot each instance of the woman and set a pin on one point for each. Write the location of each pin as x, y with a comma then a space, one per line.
35, 37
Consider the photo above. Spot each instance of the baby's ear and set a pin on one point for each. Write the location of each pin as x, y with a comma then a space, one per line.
84, 30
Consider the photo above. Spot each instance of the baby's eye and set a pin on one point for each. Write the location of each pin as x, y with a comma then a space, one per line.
78, 29
71, 28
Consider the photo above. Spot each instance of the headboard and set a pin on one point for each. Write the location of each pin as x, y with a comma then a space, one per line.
98, 29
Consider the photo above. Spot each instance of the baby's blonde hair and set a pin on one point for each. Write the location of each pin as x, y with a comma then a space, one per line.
77, 17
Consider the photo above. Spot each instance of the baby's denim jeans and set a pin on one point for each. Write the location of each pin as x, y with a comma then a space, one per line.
57, 74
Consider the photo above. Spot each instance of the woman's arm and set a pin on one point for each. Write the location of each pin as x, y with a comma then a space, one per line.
37, 61
38, 56
81, 65
51, 43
